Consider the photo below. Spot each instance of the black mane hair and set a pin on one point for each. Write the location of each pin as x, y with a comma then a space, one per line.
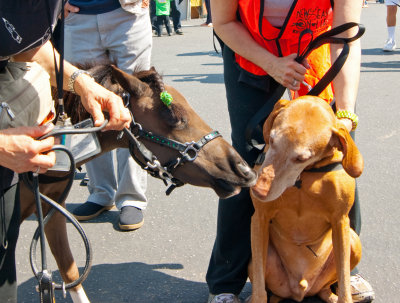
103, 75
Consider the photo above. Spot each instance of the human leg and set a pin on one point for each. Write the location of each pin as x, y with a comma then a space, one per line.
128, 39
361, 290
153, 17
391, 14
102, 187
227, 271
9, 231
209, 18
83, 45
208, 7
159, 24
390, 44
176, 17
167, 25
82, 42
130, 197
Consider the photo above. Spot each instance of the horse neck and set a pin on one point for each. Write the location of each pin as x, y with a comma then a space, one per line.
108, 141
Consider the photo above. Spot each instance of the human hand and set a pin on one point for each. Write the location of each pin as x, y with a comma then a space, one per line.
21, 152
288, 72
68, 8
95, 98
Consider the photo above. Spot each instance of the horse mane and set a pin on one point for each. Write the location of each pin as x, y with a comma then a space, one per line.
103, 75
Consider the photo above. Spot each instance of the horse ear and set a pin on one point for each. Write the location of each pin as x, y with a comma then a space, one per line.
128, 82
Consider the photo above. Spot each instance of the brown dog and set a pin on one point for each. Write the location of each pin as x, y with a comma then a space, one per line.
301, 238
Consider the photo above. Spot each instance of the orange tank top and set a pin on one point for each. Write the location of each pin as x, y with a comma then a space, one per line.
306, 20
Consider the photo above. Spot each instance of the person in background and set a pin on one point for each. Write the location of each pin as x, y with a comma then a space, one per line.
209, 19
175, 14
97, 32
176, 17
163, 9
20, 151
391, 11
253, 69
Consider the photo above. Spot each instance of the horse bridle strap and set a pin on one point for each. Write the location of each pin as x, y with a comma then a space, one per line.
189, 152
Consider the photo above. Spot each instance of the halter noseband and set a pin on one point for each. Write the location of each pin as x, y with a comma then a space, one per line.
188, 151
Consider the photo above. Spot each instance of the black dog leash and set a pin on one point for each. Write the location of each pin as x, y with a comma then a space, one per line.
327, 37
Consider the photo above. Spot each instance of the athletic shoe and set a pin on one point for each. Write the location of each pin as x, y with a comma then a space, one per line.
390, 45
223, 298
179, 31
89, 210
361, 290
130, 218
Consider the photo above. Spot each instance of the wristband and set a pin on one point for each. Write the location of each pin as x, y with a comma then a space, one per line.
73, 77
349, 115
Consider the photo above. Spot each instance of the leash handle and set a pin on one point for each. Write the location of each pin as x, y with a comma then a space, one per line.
327, 37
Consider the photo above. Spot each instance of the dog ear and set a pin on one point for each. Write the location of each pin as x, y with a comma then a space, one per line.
352, 162
281, 104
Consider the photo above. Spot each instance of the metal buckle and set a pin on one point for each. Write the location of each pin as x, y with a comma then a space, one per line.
190, 148
162, 172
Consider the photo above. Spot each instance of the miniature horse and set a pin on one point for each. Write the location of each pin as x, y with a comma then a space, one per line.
217, 166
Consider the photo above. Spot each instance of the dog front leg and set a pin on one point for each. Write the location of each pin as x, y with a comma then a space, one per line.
341, 248
259, 250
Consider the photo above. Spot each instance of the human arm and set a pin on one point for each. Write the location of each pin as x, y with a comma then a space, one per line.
346, 82
234, 34
95, 98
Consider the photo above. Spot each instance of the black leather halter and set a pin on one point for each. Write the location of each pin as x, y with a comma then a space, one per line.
188, 151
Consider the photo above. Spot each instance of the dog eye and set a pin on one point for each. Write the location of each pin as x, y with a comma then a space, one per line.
301, 159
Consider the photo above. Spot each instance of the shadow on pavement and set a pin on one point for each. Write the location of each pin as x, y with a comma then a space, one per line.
201, 78
136, 283
129, 282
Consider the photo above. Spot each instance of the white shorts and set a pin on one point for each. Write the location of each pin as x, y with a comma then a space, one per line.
392, 2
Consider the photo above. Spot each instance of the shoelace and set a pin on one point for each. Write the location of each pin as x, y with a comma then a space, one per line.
224, 298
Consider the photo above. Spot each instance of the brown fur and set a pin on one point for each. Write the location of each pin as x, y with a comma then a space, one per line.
301, 239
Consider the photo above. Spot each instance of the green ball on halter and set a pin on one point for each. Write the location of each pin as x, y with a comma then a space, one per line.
166, 98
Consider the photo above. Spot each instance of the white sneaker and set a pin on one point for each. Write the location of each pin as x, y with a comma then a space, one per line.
223, 298
390, 45
361, 290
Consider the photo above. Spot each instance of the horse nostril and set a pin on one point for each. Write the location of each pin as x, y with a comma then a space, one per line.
246, 171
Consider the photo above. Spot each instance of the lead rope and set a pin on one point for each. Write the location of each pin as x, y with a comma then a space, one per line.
46, 285
327, 37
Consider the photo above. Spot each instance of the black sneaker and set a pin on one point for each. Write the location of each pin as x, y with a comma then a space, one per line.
130, 218
89, 210
179, 31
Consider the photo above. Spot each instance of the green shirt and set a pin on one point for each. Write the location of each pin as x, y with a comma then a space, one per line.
163, 7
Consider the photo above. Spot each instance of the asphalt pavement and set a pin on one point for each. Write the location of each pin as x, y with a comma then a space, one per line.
166, 260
